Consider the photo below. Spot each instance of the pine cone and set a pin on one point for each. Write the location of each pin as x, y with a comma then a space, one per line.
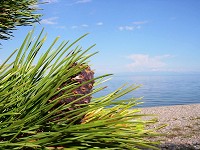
85, 75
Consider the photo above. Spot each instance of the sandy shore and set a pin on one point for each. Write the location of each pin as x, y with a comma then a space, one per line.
183, 124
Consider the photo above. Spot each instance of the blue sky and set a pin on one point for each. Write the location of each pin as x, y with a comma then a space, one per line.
131, 35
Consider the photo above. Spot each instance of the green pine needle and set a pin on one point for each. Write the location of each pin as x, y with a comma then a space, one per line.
26, 114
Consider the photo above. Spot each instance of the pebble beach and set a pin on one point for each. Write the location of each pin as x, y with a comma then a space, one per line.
182, 130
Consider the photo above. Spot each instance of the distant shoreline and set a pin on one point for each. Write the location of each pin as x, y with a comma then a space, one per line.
161, 106
183, 124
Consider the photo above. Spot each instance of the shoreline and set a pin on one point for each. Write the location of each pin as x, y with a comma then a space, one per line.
183, 124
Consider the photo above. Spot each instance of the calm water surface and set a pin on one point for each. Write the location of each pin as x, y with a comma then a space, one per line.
162, 90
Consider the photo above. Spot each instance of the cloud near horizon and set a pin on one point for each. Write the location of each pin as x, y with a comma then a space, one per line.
142, 62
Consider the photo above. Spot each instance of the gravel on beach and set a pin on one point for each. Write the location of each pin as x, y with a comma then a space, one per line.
183, 125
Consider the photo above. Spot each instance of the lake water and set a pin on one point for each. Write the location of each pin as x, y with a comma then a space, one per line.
164, 90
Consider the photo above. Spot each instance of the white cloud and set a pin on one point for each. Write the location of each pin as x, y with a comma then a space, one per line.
142, 62
134, 26
99, 23
74, 27
128, 28
80, 26
49, 21
61, 27
139, 22
82, 1
49, 1
84, 25
79, 2
34, 6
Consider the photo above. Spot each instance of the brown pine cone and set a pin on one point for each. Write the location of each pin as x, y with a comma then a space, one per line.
85, 75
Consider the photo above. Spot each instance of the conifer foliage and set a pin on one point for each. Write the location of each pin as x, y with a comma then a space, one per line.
46, 102
16, 13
